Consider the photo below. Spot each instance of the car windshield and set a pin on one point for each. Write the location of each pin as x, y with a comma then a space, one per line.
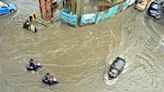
143, 3
155, 6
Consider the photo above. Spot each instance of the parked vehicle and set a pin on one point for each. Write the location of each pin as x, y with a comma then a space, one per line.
30, 27
6, 8
116, 68
141, 4
154, 10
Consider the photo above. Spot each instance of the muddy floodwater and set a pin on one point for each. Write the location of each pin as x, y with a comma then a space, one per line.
79, 57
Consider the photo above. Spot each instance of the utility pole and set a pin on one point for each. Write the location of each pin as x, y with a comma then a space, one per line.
73, 6
77, 7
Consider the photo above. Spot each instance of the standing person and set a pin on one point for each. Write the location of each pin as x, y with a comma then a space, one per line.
67, 5
30, 18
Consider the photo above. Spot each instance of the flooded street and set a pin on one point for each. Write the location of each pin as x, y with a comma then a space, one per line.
79, 57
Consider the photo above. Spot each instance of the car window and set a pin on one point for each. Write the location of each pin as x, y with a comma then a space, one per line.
5, 5
155, 6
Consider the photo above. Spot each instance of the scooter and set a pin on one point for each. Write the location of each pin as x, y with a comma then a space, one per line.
34, 68
53, 82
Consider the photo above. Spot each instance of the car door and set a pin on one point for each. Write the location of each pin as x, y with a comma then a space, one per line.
4, 10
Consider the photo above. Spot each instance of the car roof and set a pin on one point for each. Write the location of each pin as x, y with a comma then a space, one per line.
118, 63
1, 3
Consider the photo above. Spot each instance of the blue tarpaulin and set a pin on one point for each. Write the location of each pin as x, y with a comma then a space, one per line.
68, 18
112, 11
101, 16
88, 19
106, 14
128, 3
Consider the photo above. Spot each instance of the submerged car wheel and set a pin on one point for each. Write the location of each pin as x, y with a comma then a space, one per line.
157, 17
12, 10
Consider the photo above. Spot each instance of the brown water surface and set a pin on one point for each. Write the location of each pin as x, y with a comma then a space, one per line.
79, 57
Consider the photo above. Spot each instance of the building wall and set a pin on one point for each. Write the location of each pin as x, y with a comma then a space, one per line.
96, 17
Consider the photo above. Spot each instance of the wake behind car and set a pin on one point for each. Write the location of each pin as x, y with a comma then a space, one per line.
154, 10
116, 68
6, 8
